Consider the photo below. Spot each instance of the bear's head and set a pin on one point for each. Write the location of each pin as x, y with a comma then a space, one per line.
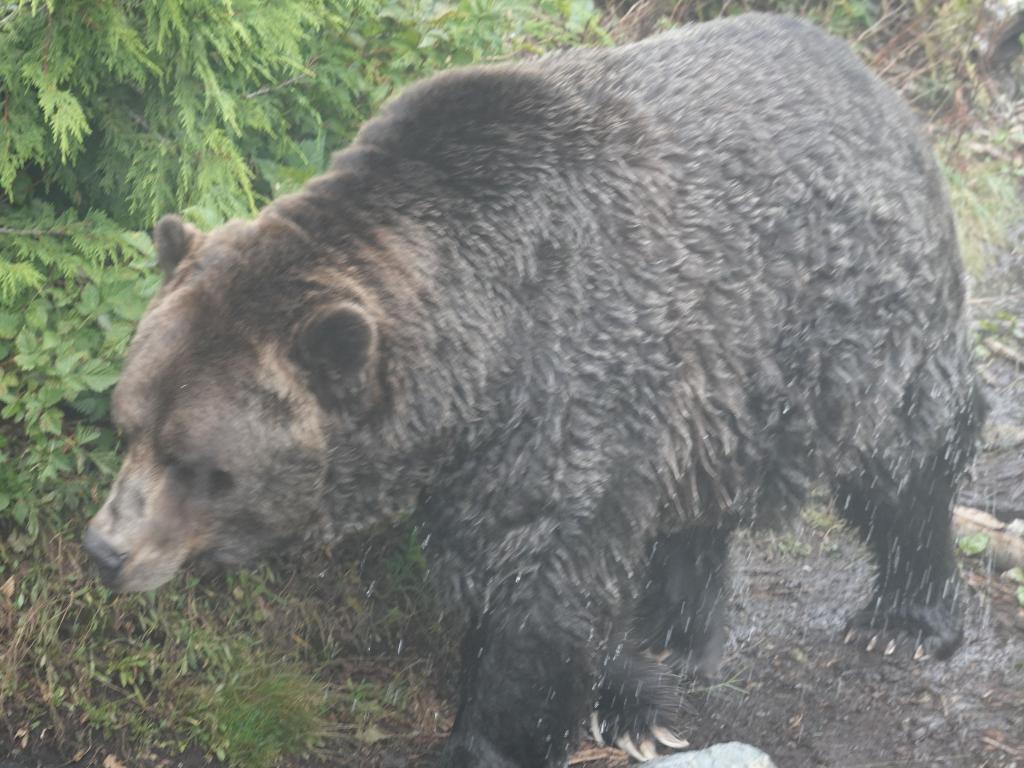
247, 393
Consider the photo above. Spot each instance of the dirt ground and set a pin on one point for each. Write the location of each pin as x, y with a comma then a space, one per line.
793, 689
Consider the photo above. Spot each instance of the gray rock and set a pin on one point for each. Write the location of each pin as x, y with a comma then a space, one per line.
732, 754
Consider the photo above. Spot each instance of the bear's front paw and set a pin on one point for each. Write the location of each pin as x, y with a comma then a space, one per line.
642, 742
926, 631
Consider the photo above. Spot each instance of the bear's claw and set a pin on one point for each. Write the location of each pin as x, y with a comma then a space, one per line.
648, 747
925, 631
667, 738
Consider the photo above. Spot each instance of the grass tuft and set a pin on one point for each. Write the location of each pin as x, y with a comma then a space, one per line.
263, 715
985, 190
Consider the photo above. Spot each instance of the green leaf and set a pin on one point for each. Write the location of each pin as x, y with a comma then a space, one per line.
20, 512
973, 544
51, 422
67, 121
35, 317
101, 382
10, 324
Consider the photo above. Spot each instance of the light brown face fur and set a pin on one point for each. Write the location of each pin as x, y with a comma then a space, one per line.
226, 450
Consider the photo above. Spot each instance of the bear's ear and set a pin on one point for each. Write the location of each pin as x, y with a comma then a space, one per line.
173, 239
336, 346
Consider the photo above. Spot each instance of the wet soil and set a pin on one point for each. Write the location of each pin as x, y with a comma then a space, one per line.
793, 689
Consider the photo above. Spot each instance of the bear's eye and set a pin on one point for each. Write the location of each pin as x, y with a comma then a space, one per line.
200, 479
221, 482
182, 473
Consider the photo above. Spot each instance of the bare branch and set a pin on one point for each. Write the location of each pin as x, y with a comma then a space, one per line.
283, 84
32, 232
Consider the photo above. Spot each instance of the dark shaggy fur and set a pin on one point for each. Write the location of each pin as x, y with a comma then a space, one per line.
585, 315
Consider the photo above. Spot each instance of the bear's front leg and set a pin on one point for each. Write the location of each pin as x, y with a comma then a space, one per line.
526, 683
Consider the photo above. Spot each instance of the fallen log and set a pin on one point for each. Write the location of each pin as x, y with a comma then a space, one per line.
1005, 546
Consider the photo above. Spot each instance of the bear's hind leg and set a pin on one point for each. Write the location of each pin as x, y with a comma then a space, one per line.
681, 615
909, 533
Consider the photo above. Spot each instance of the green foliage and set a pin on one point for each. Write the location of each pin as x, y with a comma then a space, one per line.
71, 290
985, 173
261, 713
1016, 574
973, 544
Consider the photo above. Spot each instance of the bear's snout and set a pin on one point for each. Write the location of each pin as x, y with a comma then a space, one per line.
142, 534
107, 558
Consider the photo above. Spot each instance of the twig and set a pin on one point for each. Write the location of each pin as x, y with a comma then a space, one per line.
271, 88
874, 28
1004, 351
263, 91
1002, 747
592, 754
32, 232
675, 16
995, 299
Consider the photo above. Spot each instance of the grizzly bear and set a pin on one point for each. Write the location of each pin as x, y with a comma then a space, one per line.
581, 316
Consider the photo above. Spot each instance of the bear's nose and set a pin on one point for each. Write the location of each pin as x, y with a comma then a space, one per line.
107, 559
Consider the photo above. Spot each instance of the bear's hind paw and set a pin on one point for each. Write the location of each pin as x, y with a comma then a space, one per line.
918, 631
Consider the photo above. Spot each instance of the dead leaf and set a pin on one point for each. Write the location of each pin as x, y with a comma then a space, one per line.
7, 590
112, 762
606, 755
371, 734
